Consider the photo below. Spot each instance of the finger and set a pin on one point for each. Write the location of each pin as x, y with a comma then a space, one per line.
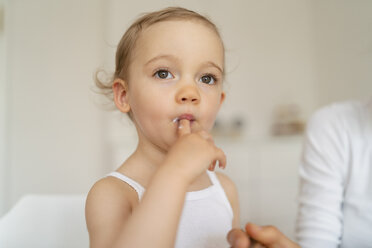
257, 245
221, 158
220, 155
215, 163
265, 235
238, 239
183, 127
269, 236
212, 166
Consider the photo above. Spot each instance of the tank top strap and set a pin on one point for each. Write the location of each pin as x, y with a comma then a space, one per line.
213, 177
216, 183
136, 186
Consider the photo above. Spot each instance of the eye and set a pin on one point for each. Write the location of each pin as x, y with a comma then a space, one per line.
163, 74
208, 79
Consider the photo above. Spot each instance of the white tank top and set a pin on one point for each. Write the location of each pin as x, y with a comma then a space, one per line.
206, 216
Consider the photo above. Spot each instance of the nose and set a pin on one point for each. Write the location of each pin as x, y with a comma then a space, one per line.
188, 94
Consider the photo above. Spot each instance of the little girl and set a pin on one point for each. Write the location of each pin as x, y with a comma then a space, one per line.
168, 78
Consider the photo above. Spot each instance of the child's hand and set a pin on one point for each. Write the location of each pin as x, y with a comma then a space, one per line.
194, 152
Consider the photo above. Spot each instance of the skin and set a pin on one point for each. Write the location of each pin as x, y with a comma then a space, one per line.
170, 77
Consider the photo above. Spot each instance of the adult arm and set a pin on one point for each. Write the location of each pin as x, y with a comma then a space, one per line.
322, 178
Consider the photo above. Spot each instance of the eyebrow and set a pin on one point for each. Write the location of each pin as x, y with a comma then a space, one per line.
171, 57
162, 56
210, 63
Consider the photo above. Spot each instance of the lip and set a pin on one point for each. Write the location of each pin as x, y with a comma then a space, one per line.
189, 117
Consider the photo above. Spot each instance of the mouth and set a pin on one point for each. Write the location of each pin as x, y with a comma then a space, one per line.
188, 117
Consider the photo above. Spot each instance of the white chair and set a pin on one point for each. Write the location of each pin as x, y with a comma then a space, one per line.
45, 221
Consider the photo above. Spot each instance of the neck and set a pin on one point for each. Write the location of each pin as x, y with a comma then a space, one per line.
149, 154
143, 163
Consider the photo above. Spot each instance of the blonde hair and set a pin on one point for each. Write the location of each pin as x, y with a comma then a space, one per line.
128, 41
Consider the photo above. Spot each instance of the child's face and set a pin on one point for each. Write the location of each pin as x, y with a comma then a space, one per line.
176, 72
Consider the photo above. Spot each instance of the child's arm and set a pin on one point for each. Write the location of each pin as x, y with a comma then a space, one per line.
108, 206
154, 222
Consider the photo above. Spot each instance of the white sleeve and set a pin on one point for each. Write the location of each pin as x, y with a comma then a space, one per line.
322, 170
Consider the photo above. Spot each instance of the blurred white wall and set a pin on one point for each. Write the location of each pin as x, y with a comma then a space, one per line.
3, 113
55, 138
54, 131
343, 42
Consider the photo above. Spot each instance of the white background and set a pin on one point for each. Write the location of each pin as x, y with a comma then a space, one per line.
55, 136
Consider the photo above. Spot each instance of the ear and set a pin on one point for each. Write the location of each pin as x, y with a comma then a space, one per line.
223, 95
120, 90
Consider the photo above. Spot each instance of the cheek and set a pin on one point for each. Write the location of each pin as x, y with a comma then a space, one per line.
147, 107
210, 113
210, 121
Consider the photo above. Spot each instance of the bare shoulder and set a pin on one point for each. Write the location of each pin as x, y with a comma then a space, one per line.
109, 192
227, 184
108, 205
232, 195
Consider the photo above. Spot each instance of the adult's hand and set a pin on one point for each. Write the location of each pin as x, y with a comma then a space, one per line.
259, 236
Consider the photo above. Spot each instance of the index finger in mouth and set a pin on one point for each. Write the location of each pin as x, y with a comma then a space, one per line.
184, 127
